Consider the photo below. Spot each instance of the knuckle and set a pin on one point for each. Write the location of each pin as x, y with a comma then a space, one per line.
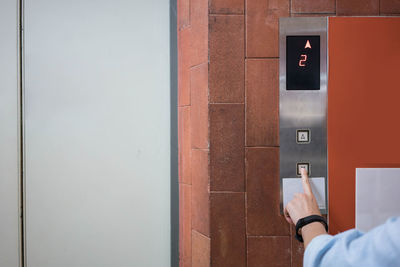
300, 195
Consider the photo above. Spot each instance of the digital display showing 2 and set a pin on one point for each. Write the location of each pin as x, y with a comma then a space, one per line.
303, 62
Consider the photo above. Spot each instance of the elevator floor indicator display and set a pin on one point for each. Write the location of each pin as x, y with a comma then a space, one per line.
303, 62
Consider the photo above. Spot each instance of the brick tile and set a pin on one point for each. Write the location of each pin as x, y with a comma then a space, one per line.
226, 59
268, 251
263, 197
228, 237
226, 6
297, 251
262, 29
389, 6
262, 103
185, 225
199, 105
183, 13
199, 31
184, 51
313, 6
200, 250
227, 147
357, 7
200, 192
184, 145
297, 248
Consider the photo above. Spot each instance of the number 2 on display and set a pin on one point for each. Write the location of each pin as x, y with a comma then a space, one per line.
302, 61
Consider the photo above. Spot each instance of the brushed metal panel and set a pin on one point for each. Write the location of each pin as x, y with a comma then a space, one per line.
303, 109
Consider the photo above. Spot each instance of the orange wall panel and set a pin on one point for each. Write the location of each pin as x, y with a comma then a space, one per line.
363, 106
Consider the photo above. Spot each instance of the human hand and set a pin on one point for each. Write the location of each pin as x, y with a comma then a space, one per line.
302, 205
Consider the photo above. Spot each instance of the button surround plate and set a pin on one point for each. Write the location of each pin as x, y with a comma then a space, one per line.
305, 165
306, 133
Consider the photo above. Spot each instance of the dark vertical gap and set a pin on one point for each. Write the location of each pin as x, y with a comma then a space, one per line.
21, 129
379, 8
246, 243
174, 135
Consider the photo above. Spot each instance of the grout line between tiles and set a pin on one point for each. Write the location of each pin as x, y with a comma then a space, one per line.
264, 236
233, 14
226, 192
245, 130
262, 146
335, 7
260, 58
197, 65
313, 14
216, 103
193, 230
183, 183
291, 251
379, 7
200, 149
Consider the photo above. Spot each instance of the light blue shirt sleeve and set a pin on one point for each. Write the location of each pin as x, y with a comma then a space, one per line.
378, 247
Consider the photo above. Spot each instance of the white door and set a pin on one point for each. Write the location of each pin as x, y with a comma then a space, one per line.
97, 141
9, 135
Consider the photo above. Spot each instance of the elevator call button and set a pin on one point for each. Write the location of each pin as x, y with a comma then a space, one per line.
305, 166
303, 136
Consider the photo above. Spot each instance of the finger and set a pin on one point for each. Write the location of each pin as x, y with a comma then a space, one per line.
287, 216
296, 195
306, 182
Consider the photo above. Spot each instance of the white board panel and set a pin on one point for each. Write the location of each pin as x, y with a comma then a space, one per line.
9, 166
377, 196
291, 186
97, 133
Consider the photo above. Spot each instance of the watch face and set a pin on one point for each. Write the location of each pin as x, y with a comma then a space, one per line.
303, 62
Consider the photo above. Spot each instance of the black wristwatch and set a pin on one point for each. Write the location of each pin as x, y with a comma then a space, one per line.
307, 220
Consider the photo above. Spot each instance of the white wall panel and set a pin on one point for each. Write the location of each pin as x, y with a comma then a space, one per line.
377, 196
97, 133
9, 177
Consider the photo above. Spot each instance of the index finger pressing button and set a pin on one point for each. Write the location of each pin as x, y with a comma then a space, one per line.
303, 165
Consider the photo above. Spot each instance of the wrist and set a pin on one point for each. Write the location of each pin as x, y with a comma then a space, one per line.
312, 227
306, 221
312, 230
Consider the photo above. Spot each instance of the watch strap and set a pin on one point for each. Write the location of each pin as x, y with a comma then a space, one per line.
307, 220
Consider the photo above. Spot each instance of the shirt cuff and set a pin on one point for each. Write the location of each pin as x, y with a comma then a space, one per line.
315, 249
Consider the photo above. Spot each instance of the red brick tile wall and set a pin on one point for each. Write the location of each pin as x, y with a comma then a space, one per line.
193, 134
228, 128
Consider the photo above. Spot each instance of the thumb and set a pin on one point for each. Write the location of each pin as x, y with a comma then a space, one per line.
306, 182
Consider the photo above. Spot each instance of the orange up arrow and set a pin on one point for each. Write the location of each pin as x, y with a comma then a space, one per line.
308, 45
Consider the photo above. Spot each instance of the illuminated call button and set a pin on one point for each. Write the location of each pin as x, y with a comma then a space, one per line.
303, 136
303, 165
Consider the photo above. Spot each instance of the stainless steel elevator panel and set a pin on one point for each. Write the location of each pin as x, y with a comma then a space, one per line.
303, 110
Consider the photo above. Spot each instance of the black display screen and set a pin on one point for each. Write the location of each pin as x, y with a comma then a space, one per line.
302, 62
